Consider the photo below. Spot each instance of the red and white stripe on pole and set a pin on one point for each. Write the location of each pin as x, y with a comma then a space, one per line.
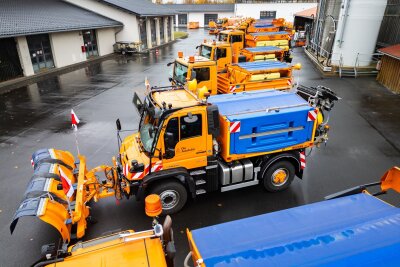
232, 88
74, 120
302, 160
234, 127
312, 115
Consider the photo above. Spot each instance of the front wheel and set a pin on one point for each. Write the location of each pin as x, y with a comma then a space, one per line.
173, 196
278, 176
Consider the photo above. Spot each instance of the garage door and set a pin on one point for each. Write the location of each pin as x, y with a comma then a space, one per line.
9, 60
182, 19
209, 17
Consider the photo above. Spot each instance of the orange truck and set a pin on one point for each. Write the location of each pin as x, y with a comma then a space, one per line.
244, 76
216, 26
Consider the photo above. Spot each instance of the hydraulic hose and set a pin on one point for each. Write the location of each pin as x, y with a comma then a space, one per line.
186, 262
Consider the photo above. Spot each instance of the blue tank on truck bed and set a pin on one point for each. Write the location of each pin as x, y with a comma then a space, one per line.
265, 121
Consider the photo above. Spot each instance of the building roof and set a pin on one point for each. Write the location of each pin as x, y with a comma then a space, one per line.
307, 13
20, 17
391, 51
141, 7
185, 8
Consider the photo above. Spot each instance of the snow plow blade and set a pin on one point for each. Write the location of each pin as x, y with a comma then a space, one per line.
60, 189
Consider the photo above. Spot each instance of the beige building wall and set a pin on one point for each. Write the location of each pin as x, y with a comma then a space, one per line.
130, 30
67, 48
105, 41
24, 56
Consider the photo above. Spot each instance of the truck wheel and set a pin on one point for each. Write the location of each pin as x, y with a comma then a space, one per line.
173, 196
278, 176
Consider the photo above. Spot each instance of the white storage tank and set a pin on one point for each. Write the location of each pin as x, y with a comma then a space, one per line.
357, 31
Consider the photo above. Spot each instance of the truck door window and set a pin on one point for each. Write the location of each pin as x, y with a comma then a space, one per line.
236, 38
202, 74
191, 126
173, 127
221, 52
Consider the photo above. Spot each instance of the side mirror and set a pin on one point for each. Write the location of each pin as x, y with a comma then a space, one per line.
197, 47
170, 63
118, 123
169, 145
170, 79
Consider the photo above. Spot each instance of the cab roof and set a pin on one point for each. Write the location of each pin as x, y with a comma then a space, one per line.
179, 98
197, 59
217, 43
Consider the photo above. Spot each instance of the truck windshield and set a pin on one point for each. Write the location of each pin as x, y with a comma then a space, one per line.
223, 37
205, 51
180, 73
148, 123
220, 21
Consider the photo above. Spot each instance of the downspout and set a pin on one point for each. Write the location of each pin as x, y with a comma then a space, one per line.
344, 18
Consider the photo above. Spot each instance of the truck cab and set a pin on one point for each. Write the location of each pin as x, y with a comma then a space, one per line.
221, 52
200, 68
233, 37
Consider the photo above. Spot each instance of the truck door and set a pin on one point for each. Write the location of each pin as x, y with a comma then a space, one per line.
221, 57
237, 41
185, 141
202, 75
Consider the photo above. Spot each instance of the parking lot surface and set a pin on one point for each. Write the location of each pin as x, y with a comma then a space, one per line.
364, 143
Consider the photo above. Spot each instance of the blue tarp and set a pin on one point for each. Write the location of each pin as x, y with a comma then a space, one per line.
358, 230
260, 49
262, 65
267, 33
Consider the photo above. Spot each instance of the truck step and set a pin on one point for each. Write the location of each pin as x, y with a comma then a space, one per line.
200, 191
200, 182
197, 172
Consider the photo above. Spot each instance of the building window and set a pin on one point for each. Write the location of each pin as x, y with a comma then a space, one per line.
267, 14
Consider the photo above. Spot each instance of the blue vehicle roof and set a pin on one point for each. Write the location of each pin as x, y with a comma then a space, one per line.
357, 230
262, 65
257, 49
267, 33
252, 104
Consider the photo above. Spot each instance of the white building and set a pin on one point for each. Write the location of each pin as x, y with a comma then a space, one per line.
272, 9
44, 34
201, 13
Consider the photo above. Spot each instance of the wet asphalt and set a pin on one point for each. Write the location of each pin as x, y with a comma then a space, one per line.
364, 143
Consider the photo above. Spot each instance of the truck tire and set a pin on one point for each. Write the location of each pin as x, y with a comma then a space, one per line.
173, 195
278, 176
